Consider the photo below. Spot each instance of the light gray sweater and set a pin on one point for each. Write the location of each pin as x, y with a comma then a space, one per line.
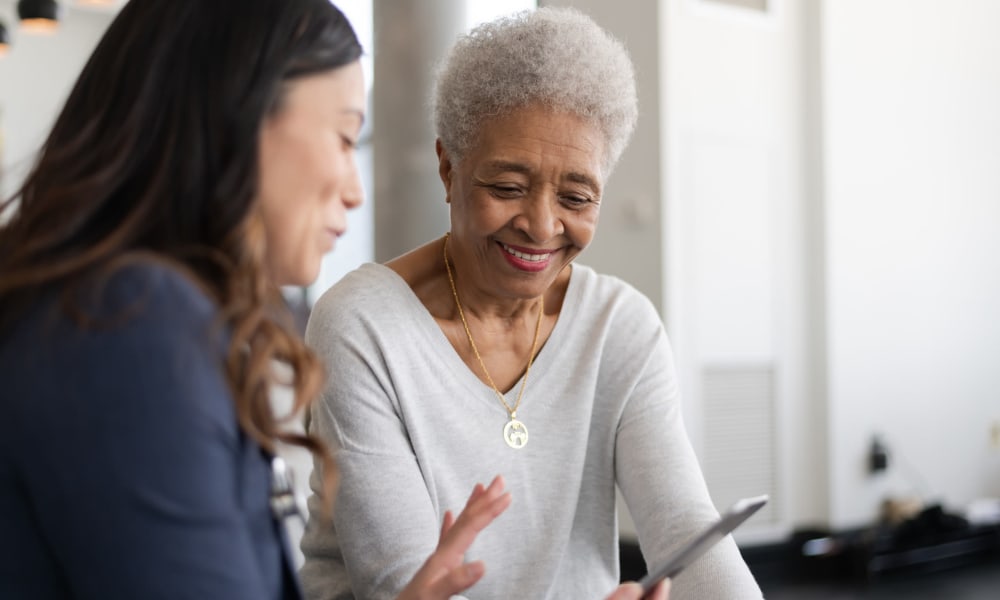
414, 429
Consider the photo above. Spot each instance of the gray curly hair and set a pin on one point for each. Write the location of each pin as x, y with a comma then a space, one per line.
556, 57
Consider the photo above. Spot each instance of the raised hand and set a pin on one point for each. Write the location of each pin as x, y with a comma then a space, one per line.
445, 573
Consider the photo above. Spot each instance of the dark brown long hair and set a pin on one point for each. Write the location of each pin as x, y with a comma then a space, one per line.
156, 154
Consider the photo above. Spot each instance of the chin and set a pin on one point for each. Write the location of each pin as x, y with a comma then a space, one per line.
305, 279
300, 278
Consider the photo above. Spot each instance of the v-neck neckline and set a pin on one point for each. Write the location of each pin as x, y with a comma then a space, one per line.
450, 357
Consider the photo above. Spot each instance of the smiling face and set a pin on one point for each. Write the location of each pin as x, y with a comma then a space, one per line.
524, 200
308, 175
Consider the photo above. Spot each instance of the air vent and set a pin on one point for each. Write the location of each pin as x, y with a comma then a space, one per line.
755, 5
739, 454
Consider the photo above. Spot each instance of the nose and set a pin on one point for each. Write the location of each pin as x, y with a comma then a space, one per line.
353, 193
539, 217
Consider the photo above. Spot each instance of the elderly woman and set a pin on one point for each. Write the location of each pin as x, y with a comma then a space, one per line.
490, 350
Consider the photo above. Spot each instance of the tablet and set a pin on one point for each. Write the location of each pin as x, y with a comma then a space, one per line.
730, 520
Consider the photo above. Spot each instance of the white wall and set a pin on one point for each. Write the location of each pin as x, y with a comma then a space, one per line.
912, 129
35, 78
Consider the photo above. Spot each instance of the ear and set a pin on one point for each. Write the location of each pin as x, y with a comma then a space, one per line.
444, 168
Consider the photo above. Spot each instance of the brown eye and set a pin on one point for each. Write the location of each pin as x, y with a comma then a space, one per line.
505, 191
576, 201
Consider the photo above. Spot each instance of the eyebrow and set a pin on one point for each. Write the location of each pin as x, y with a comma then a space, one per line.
575, 177
506, 165
584, 179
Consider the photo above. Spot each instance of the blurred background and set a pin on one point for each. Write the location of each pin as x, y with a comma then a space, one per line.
811, 198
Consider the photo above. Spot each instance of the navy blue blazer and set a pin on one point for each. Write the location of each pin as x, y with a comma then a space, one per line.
123, 471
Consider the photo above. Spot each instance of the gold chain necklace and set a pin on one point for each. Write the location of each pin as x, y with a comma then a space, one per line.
514, 432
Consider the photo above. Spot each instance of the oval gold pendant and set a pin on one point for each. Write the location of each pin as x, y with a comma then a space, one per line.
515, 434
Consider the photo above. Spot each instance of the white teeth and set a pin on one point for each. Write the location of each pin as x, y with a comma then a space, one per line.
523, 256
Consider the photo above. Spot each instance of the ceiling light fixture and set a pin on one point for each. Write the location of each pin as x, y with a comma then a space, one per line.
4, 39
38, 16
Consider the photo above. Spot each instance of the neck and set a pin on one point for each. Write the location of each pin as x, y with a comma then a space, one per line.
483, 306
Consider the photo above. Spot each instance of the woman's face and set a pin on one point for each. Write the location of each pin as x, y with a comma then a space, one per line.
308, 175
524, 200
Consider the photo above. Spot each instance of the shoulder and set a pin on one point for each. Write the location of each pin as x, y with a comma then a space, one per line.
149, 350
368, 283
163, 312
149, 315
608, 313
151, 288
365, 294
610, 297
147, 300
150, 306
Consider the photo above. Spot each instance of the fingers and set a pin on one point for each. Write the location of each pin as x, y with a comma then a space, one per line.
479, 511
446, 523
627, 591
477, 491
425, 586
444, 574
633, 591
661, 591
449, 517
456, 581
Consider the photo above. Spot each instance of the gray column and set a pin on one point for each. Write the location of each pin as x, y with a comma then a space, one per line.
410, 38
